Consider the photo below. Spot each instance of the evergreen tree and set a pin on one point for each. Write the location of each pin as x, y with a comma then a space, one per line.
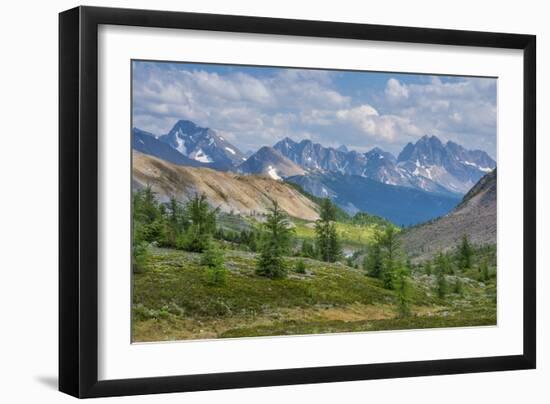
328, 243
307, 249
484, 271
213, 259
252, 242
300, 267
391, 256
140, 256
440, 271
149, 205
458, 288
465, 253
334, 245
275, 244
202, 225
402, 288
147, 218
175, 222
372, 263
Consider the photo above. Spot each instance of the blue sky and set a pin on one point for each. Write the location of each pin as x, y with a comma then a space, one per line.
257, 106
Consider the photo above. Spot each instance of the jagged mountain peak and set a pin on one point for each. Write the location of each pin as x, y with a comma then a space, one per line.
430, 138
288, 140
378, 152
343, 148
186, 125
450, 164
201, 144
270, 162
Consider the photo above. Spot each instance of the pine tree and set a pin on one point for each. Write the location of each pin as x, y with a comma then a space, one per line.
147, 217
275, 244
328, 243
300, 267
174, 222
213, 259
458, 288
334, 245
307, 249
402, 289
140, 256
202, 225
484, 271
149, 205
391, 256
372, 263
465, 253
440, 271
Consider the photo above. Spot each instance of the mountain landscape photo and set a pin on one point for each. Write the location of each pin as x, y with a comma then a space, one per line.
274, 201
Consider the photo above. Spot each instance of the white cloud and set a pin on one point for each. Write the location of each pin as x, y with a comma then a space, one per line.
388, 128
257, 109
395, 91
462, 109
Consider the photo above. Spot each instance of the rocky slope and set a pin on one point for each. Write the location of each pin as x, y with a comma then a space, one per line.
268, 161
147, 143
203, 145
231, 192
428, 164
475, 216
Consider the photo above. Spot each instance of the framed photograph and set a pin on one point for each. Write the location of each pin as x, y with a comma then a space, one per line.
251, 201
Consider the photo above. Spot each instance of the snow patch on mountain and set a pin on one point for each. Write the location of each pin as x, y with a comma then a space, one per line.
201, 156
273, 173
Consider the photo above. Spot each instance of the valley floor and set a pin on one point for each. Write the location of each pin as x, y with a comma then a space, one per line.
172, 300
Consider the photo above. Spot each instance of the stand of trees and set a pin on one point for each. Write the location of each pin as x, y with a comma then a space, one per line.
248, 240
189, 227
463, 261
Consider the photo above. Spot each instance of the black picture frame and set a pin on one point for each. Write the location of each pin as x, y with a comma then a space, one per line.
78, 201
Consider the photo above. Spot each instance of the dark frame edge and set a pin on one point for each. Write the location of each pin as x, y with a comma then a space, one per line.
283, 377
69, 114
530, 200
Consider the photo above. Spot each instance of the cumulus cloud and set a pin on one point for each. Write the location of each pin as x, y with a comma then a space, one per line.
395, 91
463, 110
254, 108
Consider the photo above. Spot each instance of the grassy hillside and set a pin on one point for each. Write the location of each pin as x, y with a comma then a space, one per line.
350, 234
173, 300
222, 273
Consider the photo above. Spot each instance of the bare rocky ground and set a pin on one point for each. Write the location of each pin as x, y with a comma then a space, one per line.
230, 192
475, 216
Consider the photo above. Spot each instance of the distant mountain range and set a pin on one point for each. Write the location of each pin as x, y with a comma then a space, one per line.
433, 174
428, 164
